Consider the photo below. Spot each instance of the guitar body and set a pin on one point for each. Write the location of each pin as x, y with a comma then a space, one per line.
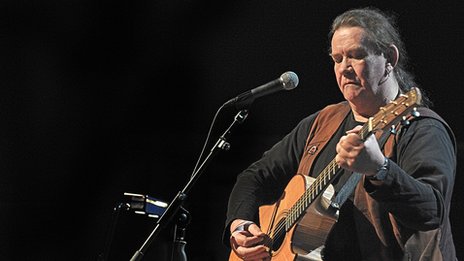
305, 240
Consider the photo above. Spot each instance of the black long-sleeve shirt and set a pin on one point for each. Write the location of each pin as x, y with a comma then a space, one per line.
417, 190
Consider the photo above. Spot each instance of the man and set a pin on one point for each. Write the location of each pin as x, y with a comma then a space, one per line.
398, 208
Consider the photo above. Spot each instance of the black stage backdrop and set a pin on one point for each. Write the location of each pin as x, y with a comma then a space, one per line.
99, 98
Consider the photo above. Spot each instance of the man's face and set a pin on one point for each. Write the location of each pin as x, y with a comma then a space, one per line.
358, 70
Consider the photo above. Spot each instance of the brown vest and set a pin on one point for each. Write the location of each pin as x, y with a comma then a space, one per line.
324, 127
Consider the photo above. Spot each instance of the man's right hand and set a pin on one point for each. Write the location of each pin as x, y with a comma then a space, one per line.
246, 240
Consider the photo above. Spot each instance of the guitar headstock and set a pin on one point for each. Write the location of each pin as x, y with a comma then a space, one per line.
396, 110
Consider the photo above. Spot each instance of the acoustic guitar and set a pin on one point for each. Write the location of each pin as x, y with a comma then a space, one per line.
300, 221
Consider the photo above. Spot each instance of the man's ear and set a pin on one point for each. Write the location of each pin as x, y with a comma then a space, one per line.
393, 55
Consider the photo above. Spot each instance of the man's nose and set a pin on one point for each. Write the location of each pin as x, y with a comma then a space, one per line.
346, 68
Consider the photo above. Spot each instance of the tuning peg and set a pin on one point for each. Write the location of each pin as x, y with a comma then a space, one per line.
415, 113
393, 130
405, 121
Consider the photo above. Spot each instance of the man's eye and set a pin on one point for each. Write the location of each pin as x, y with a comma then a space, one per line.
359, 55
337, 59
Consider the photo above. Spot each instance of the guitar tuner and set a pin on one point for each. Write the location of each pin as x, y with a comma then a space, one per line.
405, 121
415, 113
393, 130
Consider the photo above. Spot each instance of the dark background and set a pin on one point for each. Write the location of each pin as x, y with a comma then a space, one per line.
101, 97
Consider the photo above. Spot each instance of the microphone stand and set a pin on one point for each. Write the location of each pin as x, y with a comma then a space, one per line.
178, 249
181, 196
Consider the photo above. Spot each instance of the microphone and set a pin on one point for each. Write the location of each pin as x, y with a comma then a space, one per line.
287, 81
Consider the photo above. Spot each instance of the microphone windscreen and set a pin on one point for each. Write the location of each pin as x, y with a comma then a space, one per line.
289, 80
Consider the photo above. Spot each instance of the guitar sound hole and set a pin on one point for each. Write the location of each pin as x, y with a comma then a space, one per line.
279, 235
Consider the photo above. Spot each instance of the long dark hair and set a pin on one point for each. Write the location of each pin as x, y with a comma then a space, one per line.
382, 31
